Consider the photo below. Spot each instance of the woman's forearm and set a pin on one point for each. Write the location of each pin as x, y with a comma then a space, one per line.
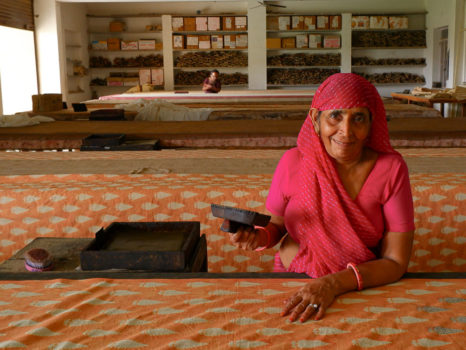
373, 273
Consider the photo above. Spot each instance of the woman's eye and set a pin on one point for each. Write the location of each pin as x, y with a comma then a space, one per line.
360, 119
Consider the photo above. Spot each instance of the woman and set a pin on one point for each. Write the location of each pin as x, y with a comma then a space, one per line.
212, 83
340, 202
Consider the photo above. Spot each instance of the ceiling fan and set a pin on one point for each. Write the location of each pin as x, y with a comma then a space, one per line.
262, 3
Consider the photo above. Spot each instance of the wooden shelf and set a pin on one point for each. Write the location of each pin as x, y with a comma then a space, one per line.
387, 30
206, 50
390, 66
206, 32
300, 67
93, 50
117, 33
306, 49
210, 67
388, 48
96, 68
304, 31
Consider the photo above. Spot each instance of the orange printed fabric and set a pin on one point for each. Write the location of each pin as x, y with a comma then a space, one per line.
224, 314
79, 205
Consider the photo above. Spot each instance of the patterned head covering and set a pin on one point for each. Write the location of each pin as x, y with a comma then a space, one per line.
334, 230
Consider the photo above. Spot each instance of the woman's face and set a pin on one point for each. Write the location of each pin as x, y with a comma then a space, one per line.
344, 132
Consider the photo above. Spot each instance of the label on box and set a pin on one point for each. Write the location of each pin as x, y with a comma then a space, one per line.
228, 23
146, 44
297, 22
145, 76
213, 23
289, 43
241, 41
229, 41
302, 41
335, 22
331, 41
201, 23
129, 45
177, 23
378, 22
217, 41
178, 42
322, 22
396, 22
241, 23
204, 41
309, 22
315, 41
192, 41
283, 23
99, 45
360, 22
157, 76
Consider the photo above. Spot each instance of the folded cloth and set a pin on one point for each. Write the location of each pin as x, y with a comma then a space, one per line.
22, 119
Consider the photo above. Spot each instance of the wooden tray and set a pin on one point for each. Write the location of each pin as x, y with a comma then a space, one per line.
149, 246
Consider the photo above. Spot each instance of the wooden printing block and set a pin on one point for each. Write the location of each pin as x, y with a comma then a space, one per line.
234, 218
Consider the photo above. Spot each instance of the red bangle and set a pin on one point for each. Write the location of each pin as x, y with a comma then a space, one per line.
357, 273
270, 230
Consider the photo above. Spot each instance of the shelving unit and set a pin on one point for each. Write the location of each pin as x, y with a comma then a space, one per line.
192, 63
76, 67
411, 75
133, 29
289, 39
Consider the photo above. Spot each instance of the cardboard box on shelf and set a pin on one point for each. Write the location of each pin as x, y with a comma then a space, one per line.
335, 22
145, 76
128, 45
192, 42
99, 45
315, 41
284, 23
146, 44
117, 26
229, 41
272, 23
322, 22
302, 41
274, 43
201, 24
241, 41
158, 46
289, 43
213, 23
378, 22
113, 44
189, 24
114, 81
297, 22
360, 22
331, 41
130, 81
397, 22
177, 23
241, 23
228, 23
309, 23
204, 42
178, 41
216, 41
47, 102
156, 76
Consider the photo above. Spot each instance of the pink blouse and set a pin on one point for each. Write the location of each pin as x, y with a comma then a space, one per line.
385, 197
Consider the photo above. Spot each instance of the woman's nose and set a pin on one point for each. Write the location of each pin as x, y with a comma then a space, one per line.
345, 127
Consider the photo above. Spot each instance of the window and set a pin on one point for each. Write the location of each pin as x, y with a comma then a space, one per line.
18, 79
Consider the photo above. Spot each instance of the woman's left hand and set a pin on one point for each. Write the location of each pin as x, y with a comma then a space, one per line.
312, 299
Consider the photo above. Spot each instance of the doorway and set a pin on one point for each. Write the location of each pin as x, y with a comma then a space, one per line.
441, 58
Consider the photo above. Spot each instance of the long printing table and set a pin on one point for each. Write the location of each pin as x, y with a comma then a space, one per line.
226, 311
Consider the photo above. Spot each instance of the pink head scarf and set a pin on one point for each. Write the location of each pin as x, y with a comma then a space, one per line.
335, 231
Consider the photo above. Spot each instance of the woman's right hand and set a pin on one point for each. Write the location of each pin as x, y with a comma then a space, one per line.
248, 238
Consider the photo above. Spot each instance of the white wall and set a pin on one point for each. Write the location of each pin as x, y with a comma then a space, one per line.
47, 41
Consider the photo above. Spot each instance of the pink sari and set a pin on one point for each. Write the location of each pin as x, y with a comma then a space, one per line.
335, 230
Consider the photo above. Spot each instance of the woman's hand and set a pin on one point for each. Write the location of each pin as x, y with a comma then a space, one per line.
248, 238
312, 299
